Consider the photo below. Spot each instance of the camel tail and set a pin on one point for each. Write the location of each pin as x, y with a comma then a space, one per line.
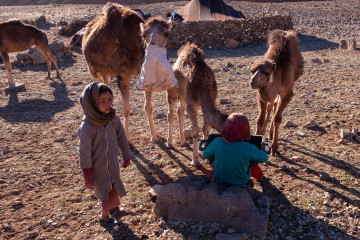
214, 117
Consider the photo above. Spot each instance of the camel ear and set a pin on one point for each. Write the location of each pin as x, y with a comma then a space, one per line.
142, 27
169, 24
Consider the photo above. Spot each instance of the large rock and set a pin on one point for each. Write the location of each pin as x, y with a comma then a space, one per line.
37, 58
197, 199
56, 46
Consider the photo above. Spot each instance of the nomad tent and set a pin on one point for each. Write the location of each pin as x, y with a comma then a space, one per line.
204, 10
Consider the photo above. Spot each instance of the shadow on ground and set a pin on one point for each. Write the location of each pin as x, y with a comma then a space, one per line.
36, 110
306, 43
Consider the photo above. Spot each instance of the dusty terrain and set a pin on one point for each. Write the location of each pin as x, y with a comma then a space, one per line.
42, 194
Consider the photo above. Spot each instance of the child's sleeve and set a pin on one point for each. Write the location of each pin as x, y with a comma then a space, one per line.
258, 155
209, 152
85, 146
122, 141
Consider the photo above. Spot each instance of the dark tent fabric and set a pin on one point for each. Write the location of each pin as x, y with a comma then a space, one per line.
205, 10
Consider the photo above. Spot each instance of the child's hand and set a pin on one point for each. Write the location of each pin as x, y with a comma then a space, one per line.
126, 163
89, 186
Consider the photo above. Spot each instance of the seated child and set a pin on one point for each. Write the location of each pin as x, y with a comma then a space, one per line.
101, 140
232, 153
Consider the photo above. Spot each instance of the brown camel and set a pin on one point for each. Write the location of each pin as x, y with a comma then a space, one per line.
16, 36
197, 88
274, 76
113, 46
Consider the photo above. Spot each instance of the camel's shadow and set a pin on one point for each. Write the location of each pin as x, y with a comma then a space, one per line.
36, 110
66, 63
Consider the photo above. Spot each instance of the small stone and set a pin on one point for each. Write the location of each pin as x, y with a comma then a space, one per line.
311, 124
316, 60
160, 116
297, 158
17, 201
301, 134
225, 69
224, 101
5, 151
324, 176
289, 124
230, 230
326, 60
229, 65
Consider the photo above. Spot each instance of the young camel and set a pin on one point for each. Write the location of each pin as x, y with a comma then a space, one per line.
274, 76
16, 36
197, 88
113, 46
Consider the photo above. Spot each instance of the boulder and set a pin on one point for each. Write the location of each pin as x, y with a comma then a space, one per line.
21, 57
232, 43
345, 134
197, 199
343, 44
37, 58
56, 46
311, 124
351, 44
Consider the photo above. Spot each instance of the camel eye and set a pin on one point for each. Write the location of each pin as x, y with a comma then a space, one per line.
267, 74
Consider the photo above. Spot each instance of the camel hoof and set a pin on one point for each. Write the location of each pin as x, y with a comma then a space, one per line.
195, 163
155, 140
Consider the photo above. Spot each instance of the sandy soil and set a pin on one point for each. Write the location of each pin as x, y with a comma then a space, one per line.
42, 194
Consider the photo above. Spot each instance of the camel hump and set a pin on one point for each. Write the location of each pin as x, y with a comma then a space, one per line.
110, 7
279, 38
192, 51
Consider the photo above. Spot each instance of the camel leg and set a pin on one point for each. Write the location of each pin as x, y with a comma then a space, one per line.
271, 131
45, 51
149, 110
8, 67
282, 102
106, 79
124, 86
261, 117
192, 113
206, 129
269, 108
180, 113
172, 98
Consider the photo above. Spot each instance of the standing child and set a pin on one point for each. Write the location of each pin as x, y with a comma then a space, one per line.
101, 135
232, 153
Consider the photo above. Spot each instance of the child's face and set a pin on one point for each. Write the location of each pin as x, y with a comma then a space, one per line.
105, 102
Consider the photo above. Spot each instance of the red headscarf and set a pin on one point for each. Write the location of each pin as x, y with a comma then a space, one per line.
236, 128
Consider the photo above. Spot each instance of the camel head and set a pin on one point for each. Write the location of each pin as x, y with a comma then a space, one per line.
158, 28
260, 73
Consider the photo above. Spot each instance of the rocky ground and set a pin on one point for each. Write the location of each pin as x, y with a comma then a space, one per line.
313, 185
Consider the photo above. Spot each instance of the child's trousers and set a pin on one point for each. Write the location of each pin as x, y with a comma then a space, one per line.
256, 172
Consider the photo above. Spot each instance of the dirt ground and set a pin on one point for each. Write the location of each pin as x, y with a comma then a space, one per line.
42, 194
